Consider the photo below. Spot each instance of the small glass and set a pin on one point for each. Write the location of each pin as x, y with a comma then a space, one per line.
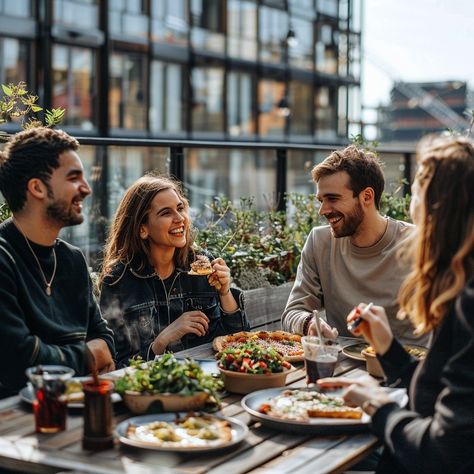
98, 427
50, 404
320, 359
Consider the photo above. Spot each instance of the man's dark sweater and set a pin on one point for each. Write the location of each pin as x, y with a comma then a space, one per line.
36, 328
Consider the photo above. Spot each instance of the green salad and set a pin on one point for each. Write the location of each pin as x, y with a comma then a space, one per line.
252, 359
168, 375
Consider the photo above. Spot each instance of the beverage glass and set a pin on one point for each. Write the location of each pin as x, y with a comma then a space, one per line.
320, 359
50, 405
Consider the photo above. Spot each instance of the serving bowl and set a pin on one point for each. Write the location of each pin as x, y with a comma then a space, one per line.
372, 364
240, 382
142, 402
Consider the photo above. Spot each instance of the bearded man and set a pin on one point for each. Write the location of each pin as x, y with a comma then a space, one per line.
356, 257
47, 310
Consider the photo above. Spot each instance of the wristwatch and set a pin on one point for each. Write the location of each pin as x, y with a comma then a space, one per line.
371, 406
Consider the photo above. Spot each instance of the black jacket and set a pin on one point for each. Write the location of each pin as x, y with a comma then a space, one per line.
138, 305
436, 433
40, 329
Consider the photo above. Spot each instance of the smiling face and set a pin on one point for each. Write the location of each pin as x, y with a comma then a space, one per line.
343, 211
67, 188
168, 221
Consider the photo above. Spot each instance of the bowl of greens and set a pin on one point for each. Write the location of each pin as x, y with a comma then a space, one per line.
167, 384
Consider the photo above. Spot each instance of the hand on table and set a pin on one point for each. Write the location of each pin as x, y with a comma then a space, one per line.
375, 327
358, 391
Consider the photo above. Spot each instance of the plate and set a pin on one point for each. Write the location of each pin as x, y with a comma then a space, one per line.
353, 351
27, 394
208, 366
239, 432
253, 401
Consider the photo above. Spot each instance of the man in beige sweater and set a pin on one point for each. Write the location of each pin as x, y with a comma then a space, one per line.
356, 258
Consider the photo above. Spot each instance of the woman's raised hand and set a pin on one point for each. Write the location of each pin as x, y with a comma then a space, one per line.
375, 327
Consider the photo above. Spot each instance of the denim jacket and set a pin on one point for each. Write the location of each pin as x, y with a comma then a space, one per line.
138, 305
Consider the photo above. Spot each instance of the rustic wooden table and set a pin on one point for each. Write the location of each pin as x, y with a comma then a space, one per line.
263, 451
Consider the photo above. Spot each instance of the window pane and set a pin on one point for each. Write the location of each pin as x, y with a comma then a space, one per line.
170, 22
301, 53
73, 85
207, 100
271, 123
127, 91
325, 111
326, 48
208, 25
328, 7
211, 172
13, 61
127, 19
242, 29
21, 8
273, 31
76, 13
167, 106
300, 105
240, 116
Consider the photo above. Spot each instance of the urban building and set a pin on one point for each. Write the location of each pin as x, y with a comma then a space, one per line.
272, 71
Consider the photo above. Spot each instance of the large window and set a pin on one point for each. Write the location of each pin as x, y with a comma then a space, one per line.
242, 29
170, 21
74, 85
208, 25
273, 31
13, 61
81, 13
300, 100
240, 104
207, 100
271, 120
127, 92
325, 111
167, 104
326, 50
127, 20
300, 50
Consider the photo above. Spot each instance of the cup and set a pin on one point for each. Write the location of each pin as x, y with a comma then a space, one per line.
50, 404
320, 359
98, 427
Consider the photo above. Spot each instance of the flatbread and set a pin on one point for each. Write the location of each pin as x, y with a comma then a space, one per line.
287, 344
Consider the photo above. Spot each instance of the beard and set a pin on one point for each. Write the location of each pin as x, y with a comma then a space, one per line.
350, 222
61, 212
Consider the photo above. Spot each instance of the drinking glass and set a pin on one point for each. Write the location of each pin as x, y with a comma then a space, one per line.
320, 359
50, 404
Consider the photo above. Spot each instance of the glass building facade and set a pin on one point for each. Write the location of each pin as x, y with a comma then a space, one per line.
280, 71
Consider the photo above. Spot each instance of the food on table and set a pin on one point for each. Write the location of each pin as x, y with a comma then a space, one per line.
302, 405
189, 431
416, 352
166, 374
287, 344
74, 393
251, 358
201, 266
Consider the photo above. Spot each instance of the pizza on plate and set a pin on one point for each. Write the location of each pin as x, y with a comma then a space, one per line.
287, 344
190, 431
302, 405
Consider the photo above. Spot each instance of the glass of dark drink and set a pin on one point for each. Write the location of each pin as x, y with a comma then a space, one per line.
50, 405
320, 359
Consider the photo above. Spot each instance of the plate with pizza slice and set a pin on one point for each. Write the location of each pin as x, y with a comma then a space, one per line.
287, 344
310, 410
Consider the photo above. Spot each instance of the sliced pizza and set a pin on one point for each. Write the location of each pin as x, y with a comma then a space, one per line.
287, 344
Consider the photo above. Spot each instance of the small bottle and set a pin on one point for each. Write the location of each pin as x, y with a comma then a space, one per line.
97, 434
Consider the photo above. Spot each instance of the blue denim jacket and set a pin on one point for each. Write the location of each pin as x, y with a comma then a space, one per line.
138, 305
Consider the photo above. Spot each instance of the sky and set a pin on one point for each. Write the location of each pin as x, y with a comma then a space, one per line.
415, 40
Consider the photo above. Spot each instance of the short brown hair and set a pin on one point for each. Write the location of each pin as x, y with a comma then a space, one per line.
363, 168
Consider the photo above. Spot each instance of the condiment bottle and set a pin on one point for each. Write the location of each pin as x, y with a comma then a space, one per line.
97, 434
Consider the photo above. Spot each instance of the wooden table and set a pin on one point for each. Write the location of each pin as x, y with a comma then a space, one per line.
263, 451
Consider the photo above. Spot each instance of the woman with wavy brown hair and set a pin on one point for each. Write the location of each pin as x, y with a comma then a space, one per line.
436, 432
147, 294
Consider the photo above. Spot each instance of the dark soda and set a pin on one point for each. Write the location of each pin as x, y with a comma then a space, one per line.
323, 366
50, 408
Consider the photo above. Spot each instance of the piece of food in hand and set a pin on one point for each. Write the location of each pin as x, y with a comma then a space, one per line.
201, 266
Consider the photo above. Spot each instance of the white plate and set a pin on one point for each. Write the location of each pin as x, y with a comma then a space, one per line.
239, 432
27, 394
252, 402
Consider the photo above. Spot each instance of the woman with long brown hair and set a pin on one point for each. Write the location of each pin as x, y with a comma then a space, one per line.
436, 432
148, 296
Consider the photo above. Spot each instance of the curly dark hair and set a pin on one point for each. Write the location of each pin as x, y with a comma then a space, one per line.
363, 168
32, 153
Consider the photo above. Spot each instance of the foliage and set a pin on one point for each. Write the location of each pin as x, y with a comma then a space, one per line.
5, 212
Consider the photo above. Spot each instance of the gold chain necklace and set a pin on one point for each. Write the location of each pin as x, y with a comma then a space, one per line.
48, 284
